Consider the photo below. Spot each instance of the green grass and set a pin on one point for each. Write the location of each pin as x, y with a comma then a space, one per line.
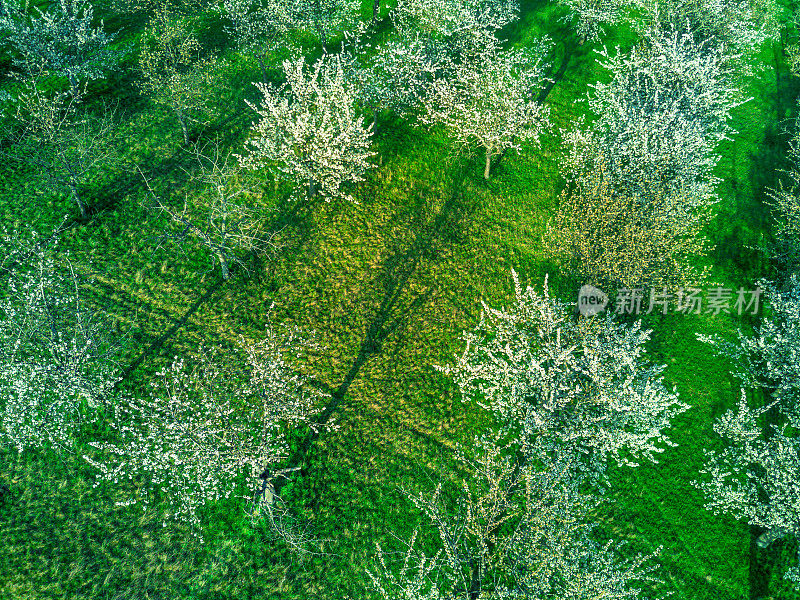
423, 218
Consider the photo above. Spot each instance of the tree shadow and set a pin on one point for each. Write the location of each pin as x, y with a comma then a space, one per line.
432, 234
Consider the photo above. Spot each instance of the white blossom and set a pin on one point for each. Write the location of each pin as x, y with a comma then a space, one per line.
491, 100
737, 27
659, 119
514, 532
62, 39
786, 202
56, 358
309, 132
327, 17
556, 382
208, 422
261, 27
756, 476
462, 21
591, 16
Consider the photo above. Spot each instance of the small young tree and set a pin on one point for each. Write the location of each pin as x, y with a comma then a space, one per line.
513, 531
309, 132
56, 357
615, 238
61, 40
207, 423
175, 74
225, 217
260, 27
554, 382
755, 476
492, 101
66, 142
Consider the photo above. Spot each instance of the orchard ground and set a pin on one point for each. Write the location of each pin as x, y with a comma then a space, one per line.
427, 240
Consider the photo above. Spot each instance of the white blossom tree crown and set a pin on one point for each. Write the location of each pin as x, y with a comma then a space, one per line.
62, 40
57, 360
309, 132
209, 427
555, 380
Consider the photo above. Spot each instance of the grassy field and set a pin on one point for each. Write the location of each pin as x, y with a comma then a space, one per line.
428, 239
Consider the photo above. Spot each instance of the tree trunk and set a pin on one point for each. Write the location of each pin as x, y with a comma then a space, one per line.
488, 164
312, 189
184, 127
261, 64
73, 188
223, 264
376, 8
323, 38
73, 85
72, 181
773, 535
758, 576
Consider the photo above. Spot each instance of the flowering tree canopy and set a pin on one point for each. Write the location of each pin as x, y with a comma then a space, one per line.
56, 358
260, 27
309, 132
62, 40
513, 532
615, 237
208, 422
491, 101
62, 138
755, 477
461, 21
591, 16
175, 72
738, 27
659, 119
556, 382
327, 17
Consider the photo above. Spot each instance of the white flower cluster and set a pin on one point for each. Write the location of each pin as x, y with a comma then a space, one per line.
445, 58
513, 532
55, 359
260, 26
326, 17
62, 40
589, 16
492, 100
660, 118
755, 477
739, 27
395, 75
207, 423
309, 132
557, 382
455, 19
